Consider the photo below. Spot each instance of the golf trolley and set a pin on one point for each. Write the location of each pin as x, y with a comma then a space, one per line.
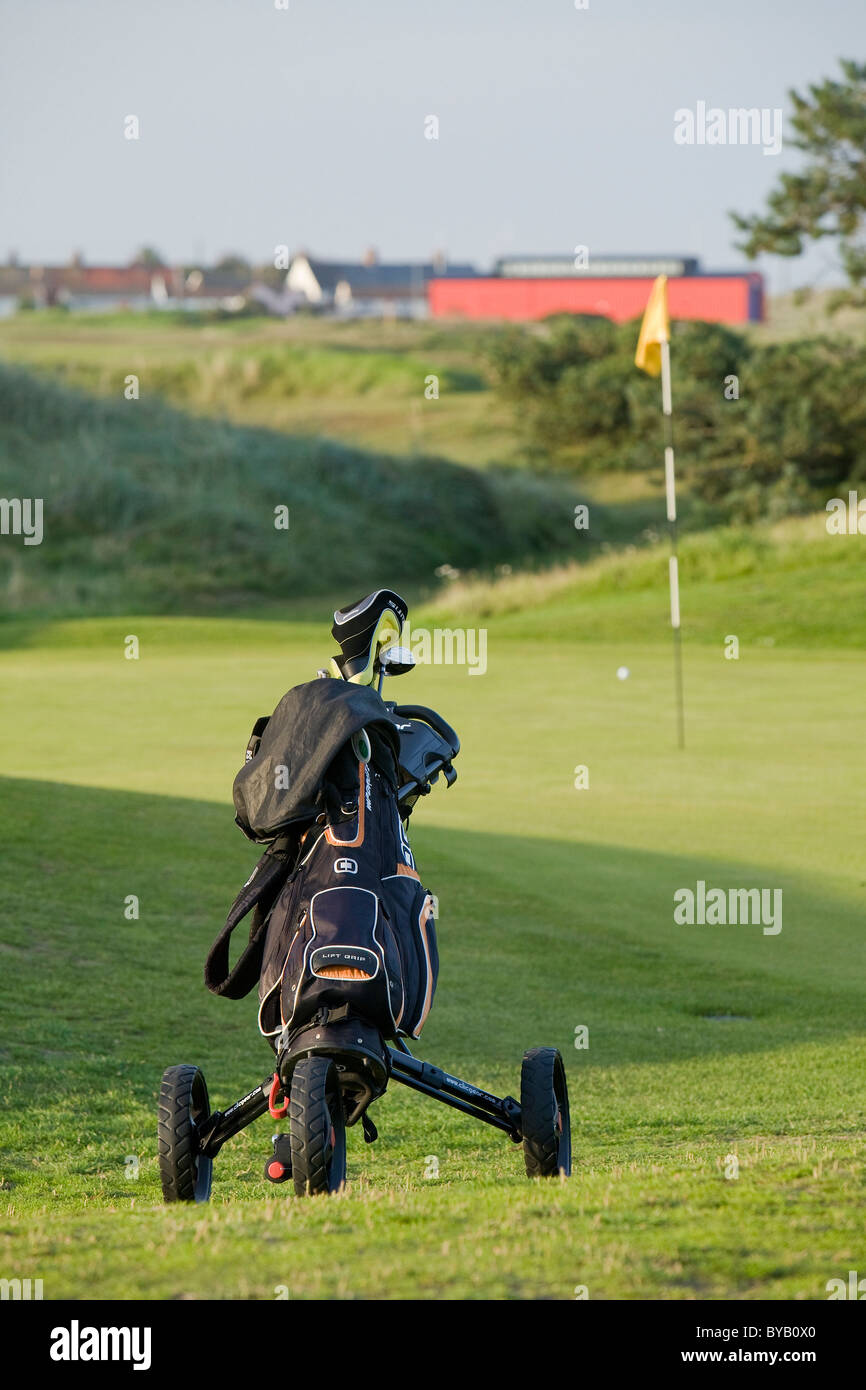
332, 1067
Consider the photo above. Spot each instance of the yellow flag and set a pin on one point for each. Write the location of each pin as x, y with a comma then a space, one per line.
655, 329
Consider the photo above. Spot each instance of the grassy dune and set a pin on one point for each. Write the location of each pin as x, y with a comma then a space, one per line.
361, 383
790, 584
148, 507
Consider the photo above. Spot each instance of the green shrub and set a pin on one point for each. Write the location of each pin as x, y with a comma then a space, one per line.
792, 434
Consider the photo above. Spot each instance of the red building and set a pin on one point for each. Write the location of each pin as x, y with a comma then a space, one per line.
721, 298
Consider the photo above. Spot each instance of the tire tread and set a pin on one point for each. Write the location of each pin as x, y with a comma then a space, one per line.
178, 1169
310, 1117
538, 1112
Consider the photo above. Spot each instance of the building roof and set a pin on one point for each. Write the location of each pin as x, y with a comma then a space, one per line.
118, 281
390, 278
597, 267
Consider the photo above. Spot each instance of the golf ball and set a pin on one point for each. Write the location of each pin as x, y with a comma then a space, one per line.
622, 673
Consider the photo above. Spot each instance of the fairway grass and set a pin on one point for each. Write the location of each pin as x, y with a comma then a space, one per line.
713, 1050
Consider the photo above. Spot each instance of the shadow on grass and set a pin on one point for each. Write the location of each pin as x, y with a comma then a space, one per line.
536, 938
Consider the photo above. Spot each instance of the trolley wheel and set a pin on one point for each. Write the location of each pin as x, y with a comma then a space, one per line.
317, 1125
544, 1118
183, 1106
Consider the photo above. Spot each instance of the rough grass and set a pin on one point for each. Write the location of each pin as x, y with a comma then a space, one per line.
145, 506
365, 384
786, 584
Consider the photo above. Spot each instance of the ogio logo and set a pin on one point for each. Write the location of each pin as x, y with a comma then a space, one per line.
345, 866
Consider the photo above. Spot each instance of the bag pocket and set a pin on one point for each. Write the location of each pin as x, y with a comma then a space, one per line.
347, 954
410, 909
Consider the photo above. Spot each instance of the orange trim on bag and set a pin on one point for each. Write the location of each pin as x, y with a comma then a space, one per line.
277, 1111
423, 918
409, 873
344, 972
359, 838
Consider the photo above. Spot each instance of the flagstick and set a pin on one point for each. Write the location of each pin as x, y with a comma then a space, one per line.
673, 564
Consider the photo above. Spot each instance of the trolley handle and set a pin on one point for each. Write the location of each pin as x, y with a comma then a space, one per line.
429, 716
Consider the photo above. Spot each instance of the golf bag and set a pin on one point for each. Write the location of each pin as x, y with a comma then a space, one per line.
341, 921
353, 925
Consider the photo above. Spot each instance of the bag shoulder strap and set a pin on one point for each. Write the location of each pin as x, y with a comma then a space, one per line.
266, 879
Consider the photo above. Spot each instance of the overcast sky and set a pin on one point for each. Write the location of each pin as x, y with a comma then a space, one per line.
306, 127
